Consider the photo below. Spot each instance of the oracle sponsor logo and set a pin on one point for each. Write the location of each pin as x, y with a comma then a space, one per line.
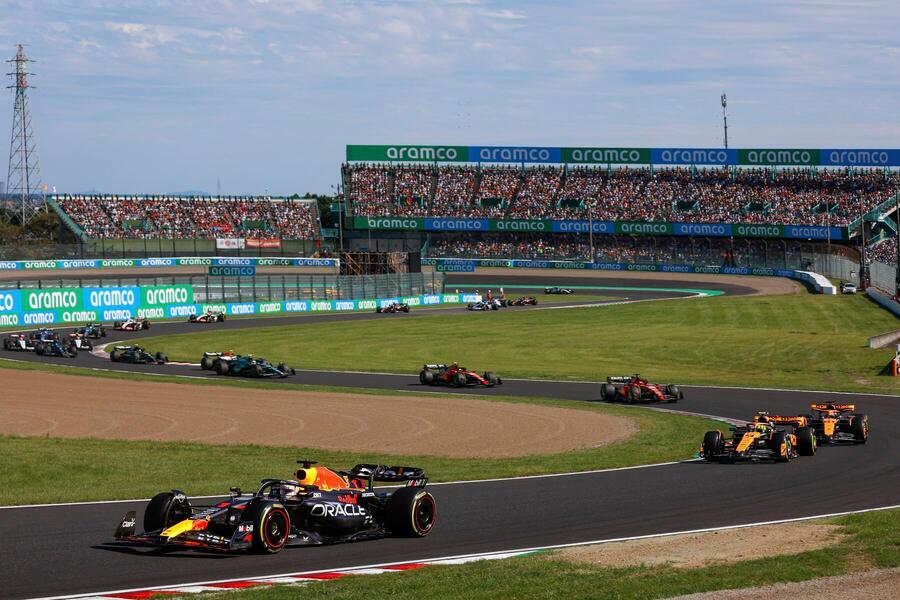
333, 509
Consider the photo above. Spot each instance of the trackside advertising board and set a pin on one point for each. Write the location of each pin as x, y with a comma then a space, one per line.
77, 306
189, 261
797, 232
751, 157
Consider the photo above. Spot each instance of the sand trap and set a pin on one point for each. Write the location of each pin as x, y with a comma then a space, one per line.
37, 404
715, 547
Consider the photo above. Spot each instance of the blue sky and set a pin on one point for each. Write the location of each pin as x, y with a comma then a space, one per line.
144, 96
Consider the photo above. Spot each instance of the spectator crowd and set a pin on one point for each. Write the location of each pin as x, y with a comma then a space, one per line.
199, 217
797, 196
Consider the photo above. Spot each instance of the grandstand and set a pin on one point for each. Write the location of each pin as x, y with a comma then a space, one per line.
111, 216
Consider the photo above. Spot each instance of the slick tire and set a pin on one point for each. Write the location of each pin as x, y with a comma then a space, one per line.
460, 380
161, 358
271, 527
146, 325
39, 348
607, 392
634, 394
163, 510
206, 363
410, 512
713, 444
426, 377
778, 439
860, 428
117, 325
806, 441
491, 378
114, 356
192, 318
674, 392
222, 367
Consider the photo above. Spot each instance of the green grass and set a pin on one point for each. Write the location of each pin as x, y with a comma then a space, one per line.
91, 469
873, 540
793, 341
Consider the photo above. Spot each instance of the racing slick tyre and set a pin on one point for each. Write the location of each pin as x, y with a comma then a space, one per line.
859, 426
634, 394
426, 377
491, 378
114, 356
164, 510
161, 358
192, 318
271, 527
806, 441
410, 512
207, 363
103, 333
87, 345
781, 438
257, 371
39, 348
460, 380
146, 325
286, 370
222, 367
713, 444
607, 392
117, 324
673, 391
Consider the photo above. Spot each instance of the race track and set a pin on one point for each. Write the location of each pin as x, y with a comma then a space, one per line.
485, 516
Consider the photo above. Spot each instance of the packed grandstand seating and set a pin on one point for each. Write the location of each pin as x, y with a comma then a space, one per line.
884, 252
201, 217
795, 196
624, 249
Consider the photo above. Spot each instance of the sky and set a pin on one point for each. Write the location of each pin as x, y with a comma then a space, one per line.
263, 95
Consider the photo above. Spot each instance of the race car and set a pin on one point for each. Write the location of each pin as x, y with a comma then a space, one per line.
393, 307
521, 301
209, 360
18, 342
456, 376
137, 355
94, 331
80, 342
758, 440
483, 305
247, 366
55, 347
830, 422
210, 316
557, 290
133, 324
634, 388
319, 507
43, 335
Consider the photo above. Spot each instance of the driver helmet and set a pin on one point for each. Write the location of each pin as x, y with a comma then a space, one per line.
287, 490
762, 427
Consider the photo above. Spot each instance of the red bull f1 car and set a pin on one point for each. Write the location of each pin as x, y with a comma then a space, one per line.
392, 308
210, 316
830, 422
456, 376
758, 440
134, 324
634, 388
319, 507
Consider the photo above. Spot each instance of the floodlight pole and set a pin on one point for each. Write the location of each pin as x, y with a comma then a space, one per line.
591, 227
725, 117
897, 240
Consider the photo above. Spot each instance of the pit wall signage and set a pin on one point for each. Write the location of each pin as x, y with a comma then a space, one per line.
741, 230
189, 261
752, 157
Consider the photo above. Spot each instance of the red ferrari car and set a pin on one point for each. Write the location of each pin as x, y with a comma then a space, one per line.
456, 376
636, 389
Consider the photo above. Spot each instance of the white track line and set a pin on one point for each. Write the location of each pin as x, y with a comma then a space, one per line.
486, 555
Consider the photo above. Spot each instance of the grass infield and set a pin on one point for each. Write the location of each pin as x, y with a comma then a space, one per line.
793, 341
873, 540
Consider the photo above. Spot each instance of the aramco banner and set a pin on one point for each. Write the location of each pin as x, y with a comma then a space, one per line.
751, 157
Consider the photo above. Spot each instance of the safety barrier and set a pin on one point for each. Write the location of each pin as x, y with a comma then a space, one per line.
185, 261
884, 300
819, 282
48, 307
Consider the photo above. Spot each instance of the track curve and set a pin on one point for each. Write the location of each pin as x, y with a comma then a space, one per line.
492, 515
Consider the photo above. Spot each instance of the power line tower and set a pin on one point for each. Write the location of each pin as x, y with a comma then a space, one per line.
23, 180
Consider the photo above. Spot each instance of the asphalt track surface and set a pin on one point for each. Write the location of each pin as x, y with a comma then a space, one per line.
69, 549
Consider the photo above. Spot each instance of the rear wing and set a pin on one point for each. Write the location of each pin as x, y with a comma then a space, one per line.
412, 476
796, 421
840, 407
434, 366
122, 347
618, 379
